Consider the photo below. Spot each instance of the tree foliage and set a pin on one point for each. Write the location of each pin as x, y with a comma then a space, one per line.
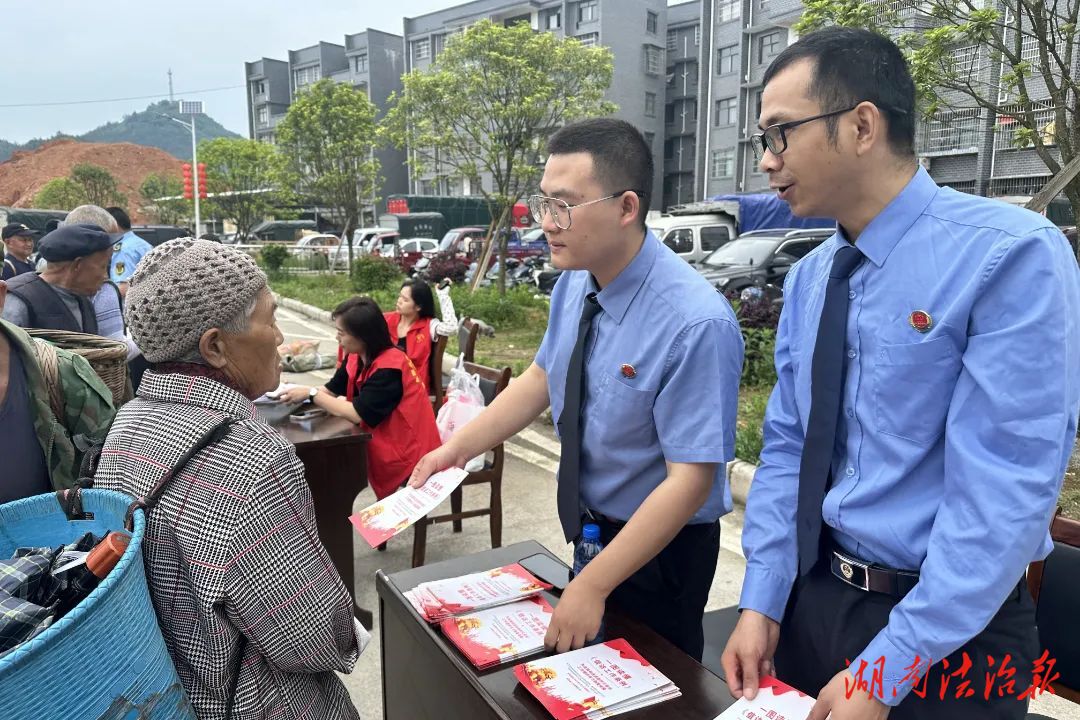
98, 184
246, 177
489, 102
327, 140
60, 194
1031, 47
155, 188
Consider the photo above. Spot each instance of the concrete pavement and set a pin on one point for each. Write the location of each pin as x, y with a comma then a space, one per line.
529, 513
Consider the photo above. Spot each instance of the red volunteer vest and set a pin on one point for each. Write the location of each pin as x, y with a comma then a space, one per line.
399, 441
417, 343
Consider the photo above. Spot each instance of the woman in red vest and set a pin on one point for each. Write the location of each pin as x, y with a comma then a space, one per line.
413, 325
377, 387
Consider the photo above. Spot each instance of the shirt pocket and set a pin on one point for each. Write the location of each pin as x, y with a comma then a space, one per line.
624, 413
913, 384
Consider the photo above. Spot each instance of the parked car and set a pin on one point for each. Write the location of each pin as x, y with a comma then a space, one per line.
320, 244
459, 241
759, 257
692, 237
157, 234
283, 230
363, 238
34, 219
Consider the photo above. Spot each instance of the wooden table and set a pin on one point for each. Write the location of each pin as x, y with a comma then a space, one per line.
424, 676
334, 453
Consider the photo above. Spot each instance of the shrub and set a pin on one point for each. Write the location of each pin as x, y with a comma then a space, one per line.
758, 366
500, 311
371, 273
446, 266
748, 435
273, 257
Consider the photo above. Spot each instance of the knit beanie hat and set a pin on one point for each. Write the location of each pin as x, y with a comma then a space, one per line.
184, 287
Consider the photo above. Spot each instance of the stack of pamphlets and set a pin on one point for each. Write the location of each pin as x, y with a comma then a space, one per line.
440, 599
500, 634
596, 681
774, 700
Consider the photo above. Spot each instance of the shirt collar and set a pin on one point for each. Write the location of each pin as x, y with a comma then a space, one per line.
195, 390
615, 298
883, 233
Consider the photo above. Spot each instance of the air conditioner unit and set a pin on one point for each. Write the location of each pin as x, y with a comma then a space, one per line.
924, 163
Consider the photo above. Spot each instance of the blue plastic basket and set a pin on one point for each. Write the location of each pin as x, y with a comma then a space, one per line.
106, 659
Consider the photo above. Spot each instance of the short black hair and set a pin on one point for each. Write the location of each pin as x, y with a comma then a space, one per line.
364, 320
852, 65
121, 217
622, 160
421, 295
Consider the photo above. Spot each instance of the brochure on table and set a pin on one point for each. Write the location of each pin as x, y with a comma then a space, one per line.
500, 634
775, 701
596, 681
379, 522
440, 599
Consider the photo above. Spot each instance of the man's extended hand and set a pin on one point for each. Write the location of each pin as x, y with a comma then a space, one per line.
845, 701
749, 653
435, 461
577, 617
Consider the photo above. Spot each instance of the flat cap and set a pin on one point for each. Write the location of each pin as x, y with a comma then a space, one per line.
69, 242
16, 229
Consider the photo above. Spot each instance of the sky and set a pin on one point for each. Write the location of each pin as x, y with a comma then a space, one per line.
60, 51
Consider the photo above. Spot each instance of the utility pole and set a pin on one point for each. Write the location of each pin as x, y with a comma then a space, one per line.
192, 108
170, 86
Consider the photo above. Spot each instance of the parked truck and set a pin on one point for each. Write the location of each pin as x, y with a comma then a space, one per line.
696, 229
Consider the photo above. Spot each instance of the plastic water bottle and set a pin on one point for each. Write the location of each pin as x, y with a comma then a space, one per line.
589, 547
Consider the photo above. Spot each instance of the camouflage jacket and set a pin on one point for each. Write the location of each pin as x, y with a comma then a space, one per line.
88, 408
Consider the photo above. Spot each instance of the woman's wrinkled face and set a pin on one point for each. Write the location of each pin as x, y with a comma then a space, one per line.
252, 360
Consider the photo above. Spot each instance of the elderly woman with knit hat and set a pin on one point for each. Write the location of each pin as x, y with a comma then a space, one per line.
254, 614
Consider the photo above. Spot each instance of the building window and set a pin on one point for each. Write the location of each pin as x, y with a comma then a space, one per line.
553, 21
728, 10
671, 41
726, 59
589, 39
1007, 125
262, 115
1029, 50
668, 149
653, 61
258, 87
769, 45
697, 35
305, 76
689, 110
723, 163
727, 112
425, 187
652, 20
967, 64
952, 131
361, 63
588, 11
440, 44
650, 138
421, 49
650, 104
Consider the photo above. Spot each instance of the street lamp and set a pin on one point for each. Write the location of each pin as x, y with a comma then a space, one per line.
192, 108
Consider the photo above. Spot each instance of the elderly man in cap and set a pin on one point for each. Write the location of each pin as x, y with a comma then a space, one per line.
18, 244
254, 614
60, 298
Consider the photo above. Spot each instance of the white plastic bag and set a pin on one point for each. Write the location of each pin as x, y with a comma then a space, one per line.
464, 401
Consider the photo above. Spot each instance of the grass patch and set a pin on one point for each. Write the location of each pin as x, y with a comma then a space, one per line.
1070, 490
748, 437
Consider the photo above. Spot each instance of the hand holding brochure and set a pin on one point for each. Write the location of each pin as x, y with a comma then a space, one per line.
775, 699
379, 522
596, 681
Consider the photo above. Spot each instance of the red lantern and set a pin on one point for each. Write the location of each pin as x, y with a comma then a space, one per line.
188, 189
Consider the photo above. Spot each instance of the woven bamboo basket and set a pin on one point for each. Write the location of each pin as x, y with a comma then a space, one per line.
107, 357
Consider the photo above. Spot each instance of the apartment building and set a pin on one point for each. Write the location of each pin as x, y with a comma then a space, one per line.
371, 61
633, 29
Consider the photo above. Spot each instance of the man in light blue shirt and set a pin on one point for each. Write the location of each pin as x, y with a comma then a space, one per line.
956, 411
643, 386
127, 252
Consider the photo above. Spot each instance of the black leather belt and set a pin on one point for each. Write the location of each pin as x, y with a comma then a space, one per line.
869, 577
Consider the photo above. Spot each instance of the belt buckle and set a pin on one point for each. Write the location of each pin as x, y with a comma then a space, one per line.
849, 568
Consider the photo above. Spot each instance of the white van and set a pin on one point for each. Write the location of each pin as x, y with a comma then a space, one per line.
693, 237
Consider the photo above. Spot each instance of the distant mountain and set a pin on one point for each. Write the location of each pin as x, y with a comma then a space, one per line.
147, 127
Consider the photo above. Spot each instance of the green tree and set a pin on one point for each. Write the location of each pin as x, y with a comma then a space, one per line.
489, 102
1032, 48
328, 140
60, 194
98, 184
161, 193
245, 175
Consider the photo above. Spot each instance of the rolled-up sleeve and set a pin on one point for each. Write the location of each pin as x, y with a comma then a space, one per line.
285, 594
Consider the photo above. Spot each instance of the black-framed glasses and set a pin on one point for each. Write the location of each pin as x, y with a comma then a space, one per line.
560, 209
774, 137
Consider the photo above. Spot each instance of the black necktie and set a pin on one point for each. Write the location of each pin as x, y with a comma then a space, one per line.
570, 427
826, 389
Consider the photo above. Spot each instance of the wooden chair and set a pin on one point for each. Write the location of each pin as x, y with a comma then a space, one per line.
492, 382
436, 390
1055, 585
467, 333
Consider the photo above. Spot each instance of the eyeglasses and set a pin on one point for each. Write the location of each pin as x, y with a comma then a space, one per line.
560, 210
774, 137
